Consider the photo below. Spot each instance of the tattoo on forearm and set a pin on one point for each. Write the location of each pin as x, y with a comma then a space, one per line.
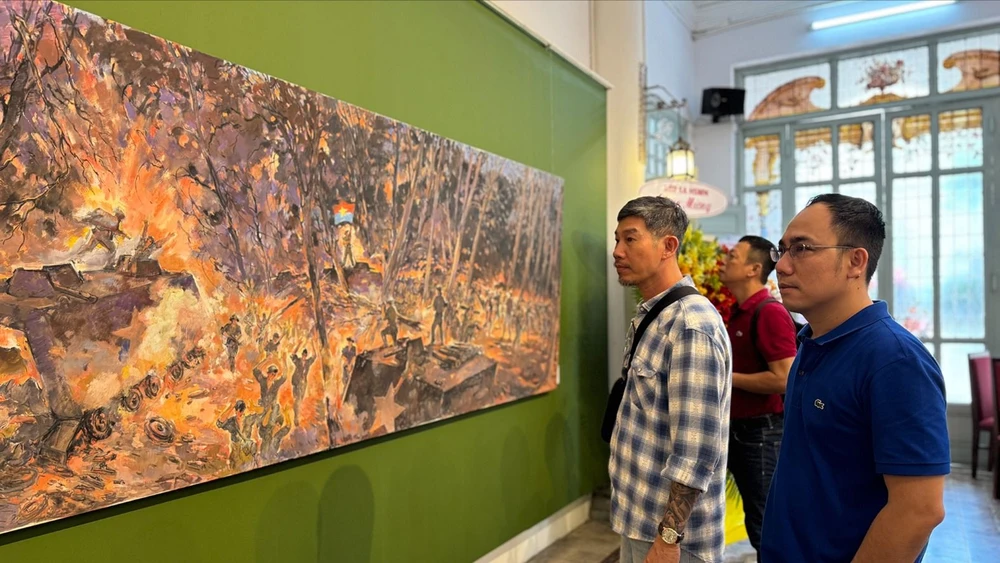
679, 507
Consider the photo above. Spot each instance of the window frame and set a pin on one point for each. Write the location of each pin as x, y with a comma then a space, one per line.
881, 114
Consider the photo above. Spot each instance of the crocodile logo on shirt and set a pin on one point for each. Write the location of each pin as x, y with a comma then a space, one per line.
819, 404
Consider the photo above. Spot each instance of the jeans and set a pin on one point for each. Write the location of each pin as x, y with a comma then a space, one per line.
754, 444
634, 551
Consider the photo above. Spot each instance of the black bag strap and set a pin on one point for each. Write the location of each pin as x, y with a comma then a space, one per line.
670, 298
753, 320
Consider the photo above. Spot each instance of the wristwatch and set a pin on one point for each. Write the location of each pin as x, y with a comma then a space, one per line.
669, 535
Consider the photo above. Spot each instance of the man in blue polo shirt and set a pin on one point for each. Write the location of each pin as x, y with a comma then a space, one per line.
860, 474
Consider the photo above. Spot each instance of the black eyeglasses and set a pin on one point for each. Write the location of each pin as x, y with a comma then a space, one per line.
798, 250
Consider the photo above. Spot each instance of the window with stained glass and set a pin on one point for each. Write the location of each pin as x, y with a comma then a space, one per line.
782, 93
884, 133
911, 144
856, 150
764, 216
969, 63
886, 77
762, 160
960, 139
813, 155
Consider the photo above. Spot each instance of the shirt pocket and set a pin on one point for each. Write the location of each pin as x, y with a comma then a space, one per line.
643, 389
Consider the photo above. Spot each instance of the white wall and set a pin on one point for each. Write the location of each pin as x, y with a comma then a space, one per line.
658, 33
564, 23
717, 55
618, 52
670, 49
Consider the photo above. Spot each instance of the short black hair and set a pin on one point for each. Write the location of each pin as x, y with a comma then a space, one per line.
857, 223
760, 253
663, 217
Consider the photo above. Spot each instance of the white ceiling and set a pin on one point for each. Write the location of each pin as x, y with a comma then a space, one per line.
716, 15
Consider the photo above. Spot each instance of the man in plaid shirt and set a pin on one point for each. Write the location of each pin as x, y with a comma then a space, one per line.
668, 450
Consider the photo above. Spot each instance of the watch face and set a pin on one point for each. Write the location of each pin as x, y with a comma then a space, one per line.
669, 535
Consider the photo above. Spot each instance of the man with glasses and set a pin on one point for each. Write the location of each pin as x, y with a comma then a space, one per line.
865, 450
763, 338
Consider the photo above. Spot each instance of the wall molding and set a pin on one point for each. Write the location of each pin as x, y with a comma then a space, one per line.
532, 541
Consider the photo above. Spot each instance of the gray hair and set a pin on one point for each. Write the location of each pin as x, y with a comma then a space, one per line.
662, 216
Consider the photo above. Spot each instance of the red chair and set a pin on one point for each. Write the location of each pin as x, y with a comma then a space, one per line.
996, 424
984, 406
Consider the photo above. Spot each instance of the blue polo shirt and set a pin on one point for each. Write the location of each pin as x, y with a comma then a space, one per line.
862, 401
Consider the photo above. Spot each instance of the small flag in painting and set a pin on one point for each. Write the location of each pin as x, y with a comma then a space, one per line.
343, 213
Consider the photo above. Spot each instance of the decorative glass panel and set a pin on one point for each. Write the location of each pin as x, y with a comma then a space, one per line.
960, 138
885, 77
970, 63
813, 155
764, 214
955, 368
962, 271
873, 286
856, 150
913, 255
788, 92
663, 129
803, 195
762, 160
865, 190
911, 144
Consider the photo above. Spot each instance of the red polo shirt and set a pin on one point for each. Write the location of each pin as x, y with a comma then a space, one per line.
775, 341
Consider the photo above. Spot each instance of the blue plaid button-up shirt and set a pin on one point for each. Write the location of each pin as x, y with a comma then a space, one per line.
673, 424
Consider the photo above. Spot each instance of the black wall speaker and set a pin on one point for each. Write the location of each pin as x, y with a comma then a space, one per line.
720, 102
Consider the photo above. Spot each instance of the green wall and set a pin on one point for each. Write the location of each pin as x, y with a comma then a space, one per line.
447, 492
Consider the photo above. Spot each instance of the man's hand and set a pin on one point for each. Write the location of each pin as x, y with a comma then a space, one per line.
766, 382
663, 552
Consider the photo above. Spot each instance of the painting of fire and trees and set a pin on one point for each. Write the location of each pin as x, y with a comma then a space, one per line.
204, 270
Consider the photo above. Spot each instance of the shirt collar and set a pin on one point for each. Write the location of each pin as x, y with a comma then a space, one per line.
646, 305
871, 314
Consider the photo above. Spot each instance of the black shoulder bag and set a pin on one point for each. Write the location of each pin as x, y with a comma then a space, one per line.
618, 389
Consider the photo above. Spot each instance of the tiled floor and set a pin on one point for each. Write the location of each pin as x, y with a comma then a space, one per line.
970, 532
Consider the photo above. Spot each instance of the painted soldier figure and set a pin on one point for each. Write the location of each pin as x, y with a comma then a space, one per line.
242, 448
104, 228
391, 323
271, 347
232, 333
272, 427
349, 353
349, 261
302, 365
440, 305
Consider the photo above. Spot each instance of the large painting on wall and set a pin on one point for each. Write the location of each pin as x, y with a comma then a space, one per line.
205, 270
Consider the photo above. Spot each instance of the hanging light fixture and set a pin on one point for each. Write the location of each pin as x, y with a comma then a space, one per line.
697, 199
680, 161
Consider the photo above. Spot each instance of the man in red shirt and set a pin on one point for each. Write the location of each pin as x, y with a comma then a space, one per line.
764, 344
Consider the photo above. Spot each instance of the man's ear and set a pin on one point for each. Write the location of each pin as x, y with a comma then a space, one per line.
858, 267
755, 271
670, 246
